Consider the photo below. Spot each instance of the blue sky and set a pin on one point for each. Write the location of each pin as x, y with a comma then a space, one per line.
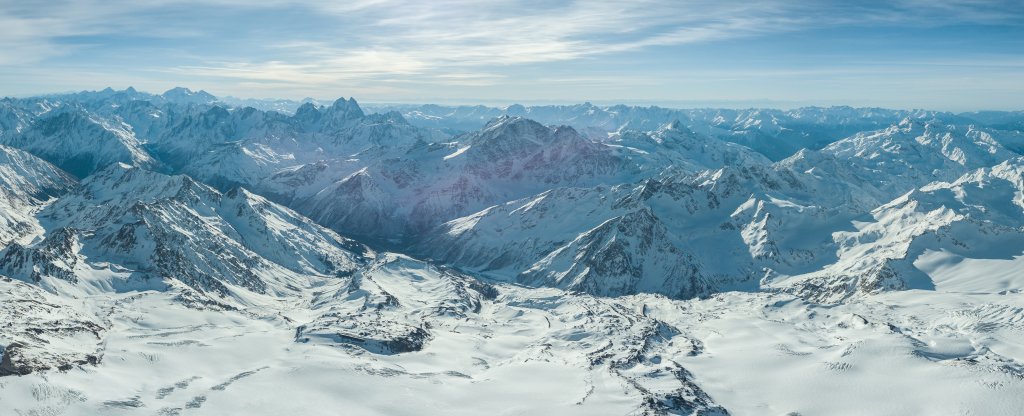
940, 54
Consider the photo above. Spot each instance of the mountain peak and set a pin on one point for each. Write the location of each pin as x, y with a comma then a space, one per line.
908, 123
348, 109
677, 129
308, 113
176, 91
515, 109
507, 120
306, 107
185, 95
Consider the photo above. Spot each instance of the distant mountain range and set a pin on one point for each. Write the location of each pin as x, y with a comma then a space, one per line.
596, 240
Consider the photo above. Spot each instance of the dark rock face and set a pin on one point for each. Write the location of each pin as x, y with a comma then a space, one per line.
21, 359
13, 362
55, 257
44, 331
621, 256
391, 306
173, 228
369, 331
383, 337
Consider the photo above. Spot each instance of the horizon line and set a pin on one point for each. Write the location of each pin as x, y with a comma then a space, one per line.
500, 103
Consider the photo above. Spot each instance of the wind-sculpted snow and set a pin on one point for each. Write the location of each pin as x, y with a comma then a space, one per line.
210, 259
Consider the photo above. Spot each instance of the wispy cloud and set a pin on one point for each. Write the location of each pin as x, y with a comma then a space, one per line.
463, 32
439, 37
291, 45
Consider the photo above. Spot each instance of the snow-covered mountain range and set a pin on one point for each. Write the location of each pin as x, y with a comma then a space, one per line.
174, 253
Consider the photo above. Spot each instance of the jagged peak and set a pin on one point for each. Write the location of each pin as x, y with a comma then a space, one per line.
566, 130
120, 179
502, 119
71, 111
391, 117
912, 124
677, 129
803, 153
243, 194
505, 130
349, 108
306, 108
361, 174
640, 220
505, 122
117, 170
918, 132
183, 93
1014, 164
237, 192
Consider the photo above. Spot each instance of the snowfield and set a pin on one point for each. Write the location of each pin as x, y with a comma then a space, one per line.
533, 351
175, 255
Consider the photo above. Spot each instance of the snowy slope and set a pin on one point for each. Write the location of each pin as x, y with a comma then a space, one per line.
680, 235
676, 145
644, 261
532, 351
43, 331
26, 184
978, 216
393, 194
79, 142
911, 154
437, 337
142, 228
788, 219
